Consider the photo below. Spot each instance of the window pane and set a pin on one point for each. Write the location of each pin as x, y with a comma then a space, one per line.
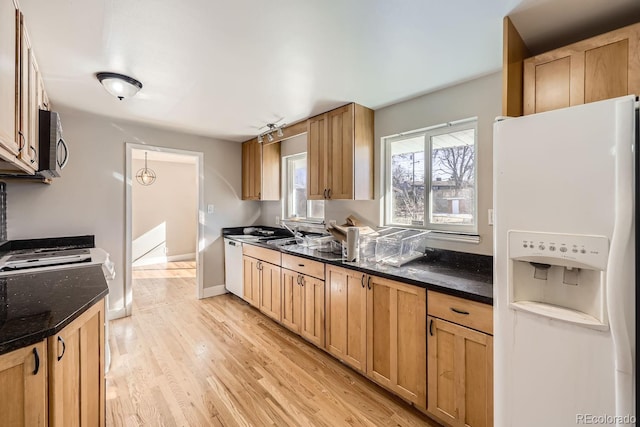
452, 178
295, 200
407, 181
298, 195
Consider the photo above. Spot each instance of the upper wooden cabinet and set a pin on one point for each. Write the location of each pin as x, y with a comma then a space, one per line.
9, 78
602, 67
21, 94
260, 171
340, 154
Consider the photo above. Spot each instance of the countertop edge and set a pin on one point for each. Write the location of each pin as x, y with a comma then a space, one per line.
426, 285
36, 337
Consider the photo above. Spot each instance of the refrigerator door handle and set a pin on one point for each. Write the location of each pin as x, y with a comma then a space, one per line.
619, 280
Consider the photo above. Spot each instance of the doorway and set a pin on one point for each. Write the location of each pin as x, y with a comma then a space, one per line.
163, 220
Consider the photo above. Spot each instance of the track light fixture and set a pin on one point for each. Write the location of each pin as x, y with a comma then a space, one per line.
271, 128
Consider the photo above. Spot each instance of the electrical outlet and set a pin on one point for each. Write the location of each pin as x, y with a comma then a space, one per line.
210, 208
490, 216
277, 220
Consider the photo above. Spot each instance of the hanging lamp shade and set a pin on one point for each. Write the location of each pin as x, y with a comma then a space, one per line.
145, 176
119, 85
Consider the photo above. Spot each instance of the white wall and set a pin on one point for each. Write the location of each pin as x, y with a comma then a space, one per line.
90, 196
169, 205
482, 98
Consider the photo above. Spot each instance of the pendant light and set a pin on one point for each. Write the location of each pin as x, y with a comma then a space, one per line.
145, 176
119, 85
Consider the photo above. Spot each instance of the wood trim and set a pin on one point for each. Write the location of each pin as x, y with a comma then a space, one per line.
514, 51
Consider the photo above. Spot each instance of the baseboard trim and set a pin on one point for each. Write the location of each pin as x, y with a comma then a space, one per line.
116, 313
214, 291
162, 259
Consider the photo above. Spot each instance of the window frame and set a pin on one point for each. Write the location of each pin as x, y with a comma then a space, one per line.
287, 191
427, 134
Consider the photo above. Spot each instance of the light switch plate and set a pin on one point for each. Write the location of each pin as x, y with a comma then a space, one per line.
490, 216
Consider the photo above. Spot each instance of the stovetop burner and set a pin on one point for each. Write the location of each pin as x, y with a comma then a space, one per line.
44, 258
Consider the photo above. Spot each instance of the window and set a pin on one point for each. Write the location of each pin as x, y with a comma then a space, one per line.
296, 205
431, 178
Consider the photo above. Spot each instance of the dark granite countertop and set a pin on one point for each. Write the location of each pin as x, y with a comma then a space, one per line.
34, 306
468, 276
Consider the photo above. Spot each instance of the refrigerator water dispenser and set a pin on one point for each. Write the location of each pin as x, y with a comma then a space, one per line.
560, 276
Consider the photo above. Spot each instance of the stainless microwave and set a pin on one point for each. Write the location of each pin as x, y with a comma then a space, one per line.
54, 153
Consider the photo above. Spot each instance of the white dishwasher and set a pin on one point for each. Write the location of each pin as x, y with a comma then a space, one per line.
233, 267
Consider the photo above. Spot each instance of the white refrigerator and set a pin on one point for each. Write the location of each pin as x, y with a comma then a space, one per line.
564, 266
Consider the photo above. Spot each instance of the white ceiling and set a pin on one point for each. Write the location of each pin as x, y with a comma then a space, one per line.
226, 68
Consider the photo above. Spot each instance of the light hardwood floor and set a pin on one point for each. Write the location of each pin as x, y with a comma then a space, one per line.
178, 361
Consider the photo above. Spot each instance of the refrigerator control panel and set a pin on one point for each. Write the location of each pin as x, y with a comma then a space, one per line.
571, 250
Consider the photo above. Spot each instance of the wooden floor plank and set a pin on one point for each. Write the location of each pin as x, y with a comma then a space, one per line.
178, 361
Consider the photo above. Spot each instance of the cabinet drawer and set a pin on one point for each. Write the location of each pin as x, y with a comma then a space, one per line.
303, 265
266, 255
471, 314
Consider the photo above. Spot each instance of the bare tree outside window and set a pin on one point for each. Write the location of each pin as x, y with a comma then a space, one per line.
453, 177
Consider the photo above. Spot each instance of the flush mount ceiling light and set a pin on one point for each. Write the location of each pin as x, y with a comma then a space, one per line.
146, 176
271, 128
119, 85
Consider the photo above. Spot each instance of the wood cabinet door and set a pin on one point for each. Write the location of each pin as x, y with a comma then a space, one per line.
346, 311
317, 158
270, 172
76, 372
291, 300
313, 310
27, 137
9, 77
341, 137
460, 362
396, 338
23, 387
270, 290
251, 280
251, 170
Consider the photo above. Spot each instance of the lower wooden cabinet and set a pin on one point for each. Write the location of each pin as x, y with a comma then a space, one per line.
251, 280
303, 305
378, 326
76, 371
262, 284
346, 302
460, 361
396, 338
270, 289
23, 387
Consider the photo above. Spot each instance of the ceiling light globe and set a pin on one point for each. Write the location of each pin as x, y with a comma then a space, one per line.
119, 85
